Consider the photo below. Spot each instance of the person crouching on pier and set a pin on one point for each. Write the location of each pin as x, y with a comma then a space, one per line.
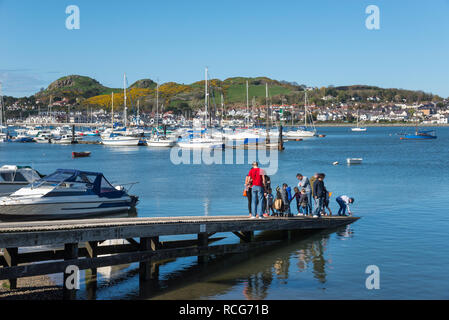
343, 202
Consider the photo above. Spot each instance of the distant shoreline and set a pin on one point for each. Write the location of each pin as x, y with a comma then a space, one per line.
343, 125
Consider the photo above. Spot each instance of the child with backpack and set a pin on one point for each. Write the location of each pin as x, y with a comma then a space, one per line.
269, 202
278, 203
286, 198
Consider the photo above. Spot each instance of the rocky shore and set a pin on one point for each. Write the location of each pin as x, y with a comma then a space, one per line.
31, 288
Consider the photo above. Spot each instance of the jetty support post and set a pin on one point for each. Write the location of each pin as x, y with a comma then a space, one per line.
287, 234
203, 241
91, 274
146, 272
10, 255
70, 253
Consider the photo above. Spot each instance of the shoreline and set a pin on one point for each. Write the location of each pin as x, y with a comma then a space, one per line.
31, 288
347, 125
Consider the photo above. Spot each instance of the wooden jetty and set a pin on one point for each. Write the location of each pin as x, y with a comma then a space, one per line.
79, 242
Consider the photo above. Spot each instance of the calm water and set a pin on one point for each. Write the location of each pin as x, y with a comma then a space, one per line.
401, 192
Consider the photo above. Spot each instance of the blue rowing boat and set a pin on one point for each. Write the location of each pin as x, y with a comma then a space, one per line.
420, 135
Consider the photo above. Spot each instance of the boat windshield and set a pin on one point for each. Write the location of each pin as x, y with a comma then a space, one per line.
23, 175
58, 177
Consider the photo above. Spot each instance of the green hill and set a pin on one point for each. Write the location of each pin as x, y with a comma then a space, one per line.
85, 91
73, 87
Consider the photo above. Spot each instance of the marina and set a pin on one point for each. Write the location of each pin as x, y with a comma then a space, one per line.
169, 191
201, 153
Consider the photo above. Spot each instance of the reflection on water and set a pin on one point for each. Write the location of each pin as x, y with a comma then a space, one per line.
256, 286
312, 255
345, 233
254, 275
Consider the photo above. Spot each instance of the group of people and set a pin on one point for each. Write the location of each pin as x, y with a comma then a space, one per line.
308, 192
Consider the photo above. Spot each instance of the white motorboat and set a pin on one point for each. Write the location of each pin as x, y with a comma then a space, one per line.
12, 178
65, 139
160, 141
243, 135
358, 129
300, 133
354, 160
201, 143
60, 131
117, 139
43, 137
66, 193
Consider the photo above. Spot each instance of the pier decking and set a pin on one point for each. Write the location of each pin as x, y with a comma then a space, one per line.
143, 244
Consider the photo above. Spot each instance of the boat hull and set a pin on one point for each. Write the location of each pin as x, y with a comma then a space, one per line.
160, 143
418, 137
129, 141
354, 160
299, 134
80, 154
6, 188
199, 145
63, 209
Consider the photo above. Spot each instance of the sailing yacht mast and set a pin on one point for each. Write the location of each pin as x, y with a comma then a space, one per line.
112, 110
247, 104
222, 109
1, 109
124, 89
267, 122
206, 99
138, 113
157, 105
305, 109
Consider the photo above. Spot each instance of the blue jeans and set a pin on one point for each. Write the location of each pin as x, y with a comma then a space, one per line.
309, 198
257, 199
320, 206
303, 210
342, 210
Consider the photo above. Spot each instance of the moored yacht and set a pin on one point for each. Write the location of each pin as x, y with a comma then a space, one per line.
118, 139
160, 141
66, 193
65, 139
12, 178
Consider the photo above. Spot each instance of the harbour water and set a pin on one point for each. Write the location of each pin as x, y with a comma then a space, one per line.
401, 192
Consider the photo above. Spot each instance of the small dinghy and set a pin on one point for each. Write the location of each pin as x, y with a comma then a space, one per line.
83, 154
354, 160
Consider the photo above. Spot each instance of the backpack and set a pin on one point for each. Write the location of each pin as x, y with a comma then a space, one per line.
289, 193
278, 204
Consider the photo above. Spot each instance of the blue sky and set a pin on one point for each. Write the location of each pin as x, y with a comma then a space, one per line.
318, 43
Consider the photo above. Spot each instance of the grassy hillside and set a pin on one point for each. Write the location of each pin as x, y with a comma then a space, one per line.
73, 87
88, 92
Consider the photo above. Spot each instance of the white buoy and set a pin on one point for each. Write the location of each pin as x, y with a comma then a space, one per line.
335, 163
